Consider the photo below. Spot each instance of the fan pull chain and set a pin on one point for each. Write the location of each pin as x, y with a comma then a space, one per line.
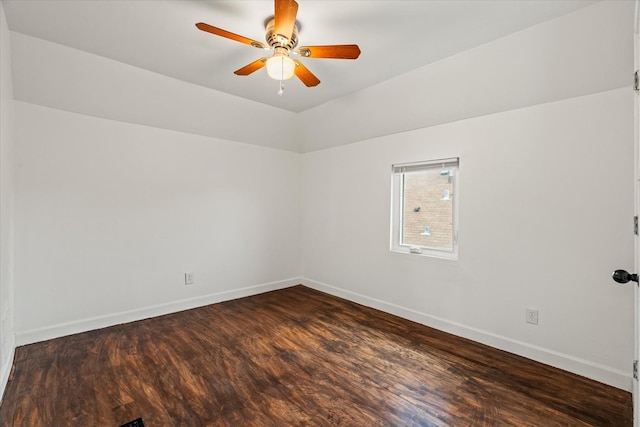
281, 90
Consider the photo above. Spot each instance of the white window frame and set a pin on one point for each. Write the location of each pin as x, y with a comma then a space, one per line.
397, 176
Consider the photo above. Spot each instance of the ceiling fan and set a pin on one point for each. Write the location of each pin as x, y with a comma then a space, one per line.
282, 38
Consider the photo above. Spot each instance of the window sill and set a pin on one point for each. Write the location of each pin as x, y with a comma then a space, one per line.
428, 253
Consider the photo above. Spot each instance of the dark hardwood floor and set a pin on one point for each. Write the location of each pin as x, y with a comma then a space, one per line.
295, 357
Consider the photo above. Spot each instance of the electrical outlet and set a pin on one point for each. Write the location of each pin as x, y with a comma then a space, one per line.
532, 316
188, 278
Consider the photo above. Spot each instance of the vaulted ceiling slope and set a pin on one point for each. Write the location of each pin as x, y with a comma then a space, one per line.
145, 62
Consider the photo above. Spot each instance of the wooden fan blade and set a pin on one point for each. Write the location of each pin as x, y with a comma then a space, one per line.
285, 17
339, 51
305, 75
228, 34
254, 66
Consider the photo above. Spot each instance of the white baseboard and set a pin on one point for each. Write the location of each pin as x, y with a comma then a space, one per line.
5, 369
601, 373
594, 371
84, 325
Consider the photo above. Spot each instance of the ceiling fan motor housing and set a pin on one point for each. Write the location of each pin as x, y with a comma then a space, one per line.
278, 40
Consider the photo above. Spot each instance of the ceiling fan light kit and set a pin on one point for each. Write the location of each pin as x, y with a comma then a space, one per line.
282, 37
280, 66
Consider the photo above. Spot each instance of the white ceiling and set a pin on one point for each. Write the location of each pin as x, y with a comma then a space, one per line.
394, 37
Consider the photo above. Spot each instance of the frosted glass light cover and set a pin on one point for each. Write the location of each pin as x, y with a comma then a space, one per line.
280, 67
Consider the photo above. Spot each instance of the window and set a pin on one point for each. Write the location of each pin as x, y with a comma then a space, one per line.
424, 212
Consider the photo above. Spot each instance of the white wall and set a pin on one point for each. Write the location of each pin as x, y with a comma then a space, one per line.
546, 203
584, 52
7, 337
110, 215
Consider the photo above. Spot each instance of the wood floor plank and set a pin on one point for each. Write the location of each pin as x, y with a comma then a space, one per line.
294, 357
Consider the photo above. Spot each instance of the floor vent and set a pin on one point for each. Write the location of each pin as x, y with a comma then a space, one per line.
134, 423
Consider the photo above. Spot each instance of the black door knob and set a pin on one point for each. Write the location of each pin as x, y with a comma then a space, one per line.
622, 276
